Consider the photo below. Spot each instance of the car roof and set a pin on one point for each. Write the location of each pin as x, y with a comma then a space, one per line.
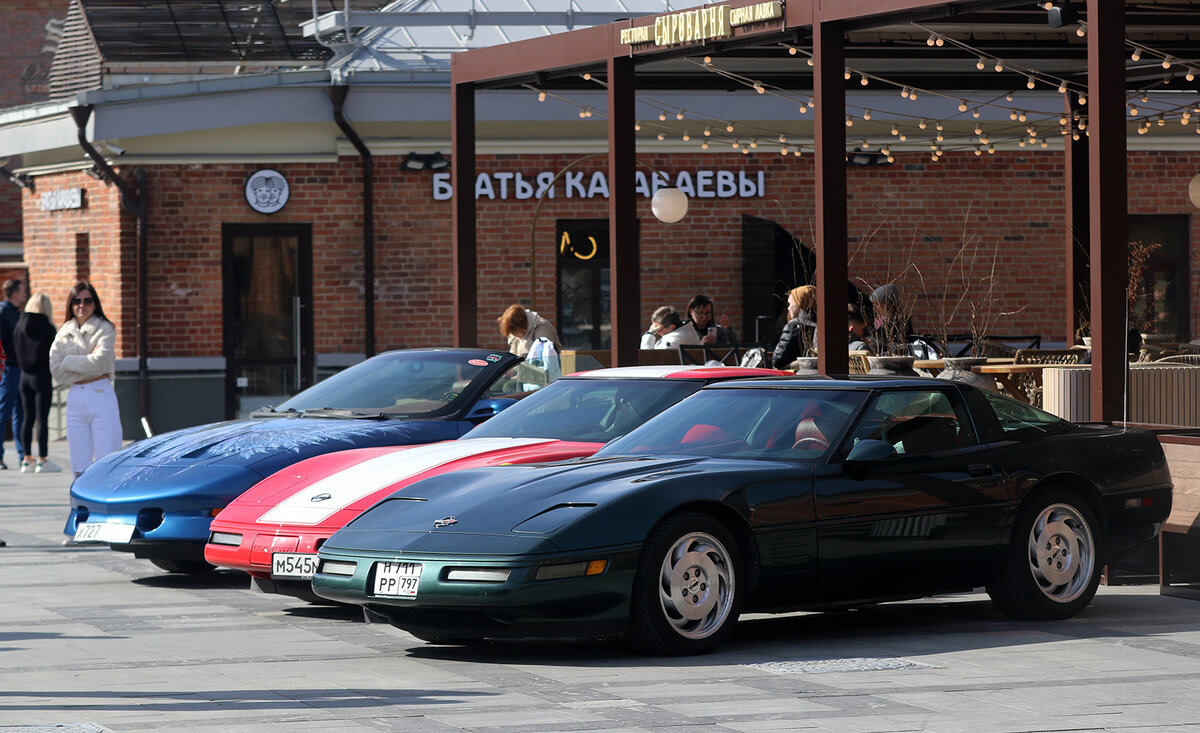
860, 382
674, 371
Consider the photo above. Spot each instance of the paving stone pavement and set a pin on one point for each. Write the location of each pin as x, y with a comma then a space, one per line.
92, 640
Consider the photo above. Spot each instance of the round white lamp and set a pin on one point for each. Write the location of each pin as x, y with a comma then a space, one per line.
669, 204
1194, 190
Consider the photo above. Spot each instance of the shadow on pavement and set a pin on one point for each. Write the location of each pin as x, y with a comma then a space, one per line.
216, 579
245, 700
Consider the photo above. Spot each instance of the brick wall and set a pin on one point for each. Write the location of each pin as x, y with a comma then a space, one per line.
915, 211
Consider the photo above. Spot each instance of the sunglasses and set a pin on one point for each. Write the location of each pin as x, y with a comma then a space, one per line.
83, 301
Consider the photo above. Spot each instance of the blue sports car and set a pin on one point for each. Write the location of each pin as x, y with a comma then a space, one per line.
156, 498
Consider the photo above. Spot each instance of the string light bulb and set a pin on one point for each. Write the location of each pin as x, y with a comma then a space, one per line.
783, 150
704, 145
729, 127
999, 65
962, 105
637, 126
662, 116
754, 143
792, 50
849, 121
1136, 55
864, 80
981, 64
679, 115
1082, 99
1190, 75
866, 114
783, 138
1133, 111
803, 108
541, 96
912, 95
1166, 63
587, 76
922, 124
904, 92
975, 113
662, 136
895, 130
708, 132
846, 75
1022, 117
1081, 31
1030, 83
686, 136
1062, 86
758, 87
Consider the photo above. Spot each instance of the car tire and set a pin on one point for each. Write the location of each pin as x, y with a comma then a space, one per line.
187, 567
687, 591
1052, 568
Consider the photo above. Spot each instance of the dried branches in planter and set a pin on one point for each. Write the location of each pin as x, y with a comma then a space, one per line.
968, 282
1142, 298
892, 297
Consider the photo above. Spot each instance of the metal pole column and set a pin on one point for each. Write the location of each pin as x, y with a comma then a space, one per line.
1077, 281
463, 264
829, 92
1108, 233
625, 261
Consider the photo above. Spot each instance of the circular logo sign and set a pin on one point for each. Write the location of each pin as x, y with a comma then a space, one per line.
267, 191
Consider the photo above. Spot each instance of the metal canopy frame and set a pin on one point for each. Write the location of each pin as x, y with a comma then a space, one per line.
868, 31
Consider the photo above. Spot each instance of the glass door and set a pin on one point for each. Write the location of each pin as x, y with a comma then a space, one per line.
583, 286
267, 274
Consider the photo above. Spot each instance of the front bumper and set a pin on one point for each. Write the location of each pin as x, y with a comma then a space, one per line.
257, 544
520, 606
158, 532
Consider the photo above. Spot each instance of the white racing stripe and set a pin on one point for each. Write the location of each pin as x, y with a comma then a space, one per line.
349, 485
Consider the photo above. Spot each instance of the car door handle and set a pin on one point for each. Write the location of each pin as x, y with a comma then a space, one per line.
979, 469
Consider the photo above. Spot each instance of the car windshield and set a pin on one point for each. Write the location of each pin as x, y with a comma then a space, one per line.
401, 383
788, 424
586, 410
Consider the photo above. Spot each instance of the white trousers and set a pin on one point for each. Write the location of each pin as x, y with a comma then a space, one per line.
93, 423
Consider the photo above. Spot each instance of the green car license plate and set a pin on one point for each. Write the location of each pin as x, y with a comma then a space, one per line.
397, 579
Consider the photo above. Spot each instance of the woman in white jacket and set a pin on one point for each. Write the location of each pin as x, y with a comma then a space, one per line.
82, 356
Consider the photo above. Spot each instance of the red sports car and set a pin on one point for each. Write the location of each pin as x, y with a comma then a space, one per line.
273, 531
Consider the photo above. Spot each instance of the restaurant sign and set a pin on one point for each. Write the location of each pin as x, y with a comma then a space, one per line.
702, 184
62, 199
700, 24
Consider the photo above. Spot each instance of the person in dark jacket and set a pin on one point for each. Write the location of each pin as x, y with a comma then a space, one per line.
31, 342
10, 394
799, 336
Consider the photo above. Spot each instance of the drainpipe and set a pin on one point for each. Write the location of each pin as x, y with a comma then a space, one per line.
133, 200
337, 95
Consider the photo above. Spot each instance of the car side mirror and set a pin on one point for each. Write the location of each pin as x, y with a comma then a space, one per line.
484, 409
864, 453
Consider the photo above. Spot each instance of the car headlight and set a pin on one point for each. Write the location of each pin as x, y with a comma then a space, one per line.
479, 575
225, 538
337, 567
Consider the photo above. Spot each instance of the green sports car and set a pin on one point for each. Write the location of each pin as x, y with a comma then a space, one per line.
761, 495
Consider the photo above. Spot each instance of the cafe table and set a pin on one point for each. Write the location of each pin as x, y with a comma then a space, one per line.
933, 366
1006, 375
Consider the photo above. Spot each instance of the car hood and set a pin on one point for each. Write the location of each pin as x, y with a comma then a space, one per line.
239, 453
312, 491
253, 442
536, 501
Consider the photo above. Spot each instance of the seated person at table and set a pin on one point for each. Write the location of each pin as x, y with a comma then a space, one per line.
674, 333
857, 328
655, 332
700, 311
799, 337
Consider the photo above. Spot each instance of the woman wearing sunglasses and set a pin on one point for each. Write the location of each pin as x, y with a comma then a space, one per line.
82, 357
